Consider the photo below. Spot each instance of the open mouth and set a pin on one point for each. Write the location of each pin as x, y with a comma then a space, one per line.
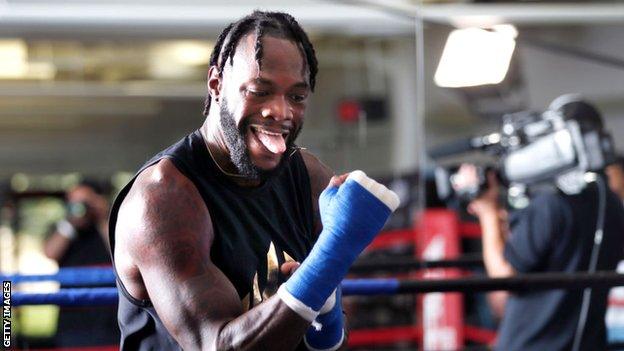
273, 139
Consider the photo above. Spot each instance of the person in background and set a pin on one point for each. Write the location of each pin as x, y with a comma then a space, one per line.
555, 233
615, 174
80, 240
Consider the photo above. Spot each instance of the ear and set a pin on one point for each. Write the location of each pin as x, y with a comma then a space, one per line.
214, 83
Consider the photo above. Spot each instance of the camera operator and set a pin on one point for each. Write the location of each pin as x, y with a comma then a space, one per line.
81, 240
554, 233
83, 229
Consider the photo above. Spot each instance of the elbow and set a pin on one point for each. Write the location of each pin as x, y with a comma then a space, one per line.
201, 339
499, 268
223, 340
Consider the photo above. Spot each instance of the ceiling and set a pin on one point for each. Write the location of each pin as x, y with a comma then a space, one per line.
201, 19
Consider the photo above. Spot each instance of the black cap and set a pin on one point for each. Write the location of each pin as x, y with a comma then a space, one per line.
573, 106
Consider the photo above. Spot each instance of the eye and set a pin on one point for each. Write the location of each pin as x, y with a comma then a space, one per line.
299, 97
258, 93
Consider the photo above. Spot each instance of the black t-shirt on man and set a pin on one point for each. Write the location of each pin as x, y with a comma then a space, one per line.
256, 230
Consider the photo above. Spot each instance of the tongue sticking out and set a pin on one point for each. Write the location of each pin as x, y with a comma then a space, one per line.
274, 143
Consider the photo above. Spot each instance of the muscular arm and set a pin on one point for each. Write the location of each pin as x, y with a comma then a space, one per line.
167, 231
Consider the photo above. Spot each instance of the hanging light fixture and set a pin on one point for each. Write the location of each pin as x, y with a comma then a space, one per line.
476, 56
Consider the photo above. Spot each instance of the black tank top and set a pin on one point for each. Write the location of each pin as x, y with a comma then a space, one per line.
256, 230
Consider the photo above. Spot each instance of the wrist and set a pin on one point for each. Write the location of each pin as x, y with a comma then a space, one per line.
489, 212
327, 332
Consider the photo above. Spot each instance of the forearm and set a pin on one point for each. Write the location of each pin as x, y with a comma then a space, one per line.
55, 246
208, 315
271, 325
493, 242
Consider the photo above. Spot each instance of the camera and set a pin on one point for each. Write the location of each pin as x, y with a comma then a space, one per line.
77, 209
557, 147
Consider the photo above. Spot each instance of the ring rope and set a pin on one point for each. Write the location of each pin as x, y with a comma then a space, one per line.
523, 282
403, 264
520, 282
68, 297
105, 276
69, 277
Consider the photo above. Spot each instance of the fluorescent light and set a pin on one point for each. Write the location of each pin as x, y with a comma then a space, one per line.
475, 56
192, 53
14, 59
14, 62
179, 58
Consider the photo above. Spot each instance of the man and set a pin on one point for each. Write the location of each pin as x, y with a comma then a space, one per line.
81, 240
207, 231
555, 233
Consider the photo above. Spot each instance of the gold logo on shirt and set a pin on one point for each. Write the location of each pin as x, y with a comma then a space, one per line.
272, 280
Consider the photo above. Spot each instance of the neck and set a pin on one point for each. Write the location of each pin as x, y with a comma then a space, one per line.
220, 153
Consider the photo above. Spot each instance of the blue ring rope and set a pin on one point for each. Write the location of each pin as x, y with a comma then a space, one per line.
370, 286
526, 282
68, 297
69, 277
109, 296
104, 276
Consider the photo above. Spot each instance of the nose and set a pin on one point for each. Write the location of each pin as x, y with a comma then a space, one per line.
278, 108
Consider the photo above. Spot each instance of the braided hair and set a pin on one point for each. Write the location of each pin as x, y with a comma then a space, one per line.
277, 24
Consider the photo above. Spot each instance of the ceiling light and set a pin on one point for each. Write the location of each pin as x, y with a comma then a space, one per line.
14, 55
475, 56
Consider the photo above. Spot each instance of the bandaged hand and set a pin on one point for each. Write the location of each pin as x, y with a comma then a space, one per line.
355, 211
352, 215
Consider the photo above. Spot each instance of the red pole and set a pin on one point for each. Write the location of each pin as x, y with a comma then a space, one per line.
442, 314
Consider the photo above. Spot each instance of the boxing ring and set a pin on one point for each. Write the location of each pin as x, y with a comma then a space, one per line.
435, 278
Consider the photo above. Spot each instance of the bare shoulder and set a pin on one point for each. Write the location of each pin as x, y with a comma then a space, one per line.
163, 215
319, 173
163, 194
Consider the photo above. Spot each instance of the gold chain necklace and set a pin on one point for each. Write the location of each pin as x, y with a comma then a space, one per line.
219, 167
295, 148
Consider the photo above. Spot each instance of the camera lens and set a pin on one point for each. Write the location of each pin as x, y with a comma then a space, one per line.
76, 209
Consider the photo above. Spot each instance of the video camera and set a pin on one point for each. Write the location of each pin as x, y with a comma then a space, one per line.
557, 146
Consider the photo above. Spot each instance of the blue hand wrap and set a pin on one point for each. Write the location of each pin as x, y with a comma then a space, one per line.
352, 215
331, 335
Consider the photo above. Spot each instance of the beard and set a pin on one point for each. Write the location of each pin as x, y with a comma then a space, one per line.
239, 152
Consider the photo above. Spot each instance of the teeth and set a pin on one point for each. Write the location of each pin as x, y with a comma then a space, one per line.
263, 131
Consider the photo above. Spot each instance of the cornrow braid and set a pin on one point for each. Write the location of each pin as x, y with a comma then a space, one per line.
237, 32
302, 37
262, 23
259, 33
214, 60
